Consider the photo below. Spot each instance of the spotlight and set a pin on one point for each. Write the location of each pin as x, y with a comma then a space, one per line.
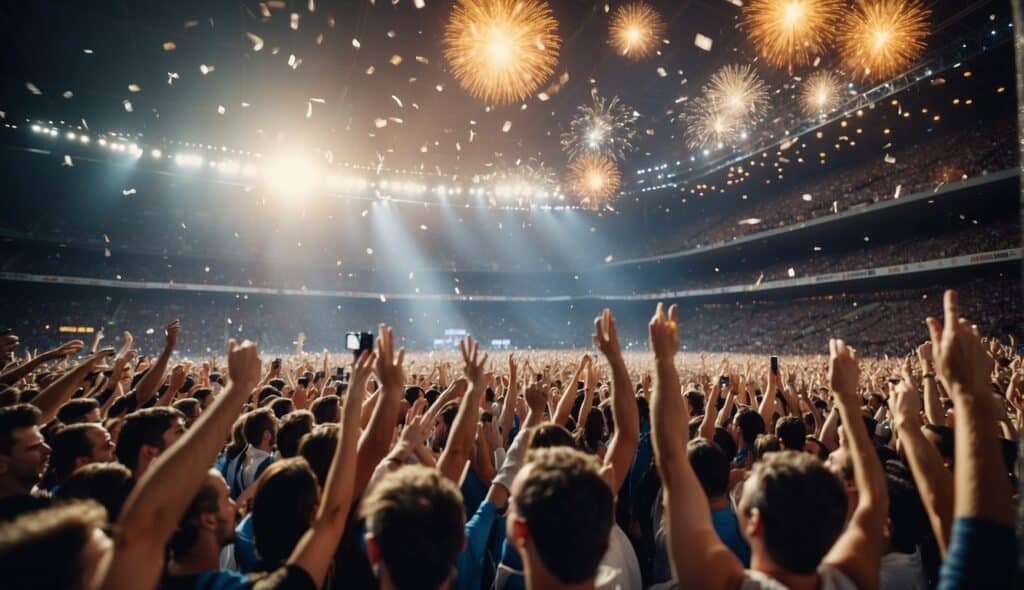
53, 133
189, 160
291, 175
84, 138
102, 142
36, 128
156, 153
71, 135
229, 167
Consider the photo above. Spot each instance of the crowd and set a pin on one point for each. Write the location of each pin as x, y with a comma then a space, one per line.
136, 467
878, 320
926, 167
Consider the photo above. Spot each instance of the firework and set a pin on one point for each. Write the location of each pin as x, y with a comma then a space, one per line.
635, 30
501, 50
707, 126
605, 127
821, 93
738, 92
594, 178
532, 181
882, 38
790, 32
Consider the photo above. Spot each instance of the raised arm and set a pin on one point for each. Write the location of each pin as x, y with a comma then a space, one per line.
508, 407
626, 439
932, 406
983, 503
588, 394
565, 403
934, 482
315, 550
767, 407
154, 508
376, 439
53, 397
148, 385
699, 558
456, 452
707, 423
858, 551
13, 374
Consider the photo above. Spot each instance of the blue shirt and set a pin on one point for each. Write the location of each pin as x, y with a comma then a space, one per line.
245, 546
728, 528
982, 554
470, 565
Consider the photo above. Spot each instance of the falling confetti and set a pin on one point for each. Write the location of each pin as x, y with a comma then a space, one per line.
67, 161
703, 42
257, 41
169, 46
128, 192
33, 88
127, 105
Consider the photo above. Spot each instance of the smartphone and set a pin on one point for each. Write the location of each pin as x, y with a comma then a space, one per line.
357, 342
894, 381
277, 363
318, 377
724, 380
190, 382
775, 365
486, 417
303, 381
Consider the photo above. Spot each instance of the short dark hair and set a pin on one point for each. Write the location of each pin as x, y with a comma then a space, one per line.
750, 424
725, 441
107, 483
53, 536
293, 427
278, 384
188, 406
318, 448
74, 411
696, 401
256, 423
70, 443
144, 427
267, 392
286, 496
711, 466
326, 409
13, 418
906, 512
202, 393
206, 501
791, 432
765, 444
790, 486
567, 507
416, 517
550, 435
281, 406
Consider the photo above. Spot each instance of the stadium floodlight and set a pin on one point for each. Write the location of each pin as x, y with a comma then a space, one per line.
188, 160
71, 135
102, 142
291, 175
156, 153
36, 128
229, 167
53, 133
84, 138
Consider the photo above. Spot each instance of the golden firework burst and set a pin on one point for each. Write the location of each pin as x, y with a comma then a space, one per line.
737, 91
882, 38
789, 33
706, 126
635, 31
594, 178
501, 50
821, 92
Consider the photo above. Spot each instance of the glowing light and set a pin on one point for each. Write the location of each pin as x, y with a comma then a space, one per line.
71, 135
706, 125
229, 167
594, 178
291, 175
790, 33
635, 30
84, 138
188, 160
882, 38
738, 91
501, 50
36, 128
602, 127
821, 92
156, 153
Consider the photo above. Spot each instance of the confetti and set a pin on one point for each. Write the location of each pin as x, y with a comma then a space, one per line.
370, 70
807, 197
703, 42
294, 21
257, 41
369, 251
127, 105
88, 51
395, 60
355, 43
379, 123
791, 272
150, 331
169, 46
106, 252
171, 77
128, 192
221, 110
33, 88
609, 258
67, 161
889, 159
506, 127
419, 4
397, 101
661, 72
205, 69
68, 94
422, 59
134, 88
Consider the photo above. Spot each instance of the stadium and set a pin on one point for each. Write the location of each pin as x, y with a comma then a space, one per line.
794, 179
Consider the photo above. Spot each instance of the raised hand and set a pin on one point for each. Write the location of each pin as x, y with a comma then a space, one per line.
243, 364
390, 369
905, 402
537, 397
171, 334
361, 371
960, 356
664, 332
474, 363
843, 370
606, 339
68, 348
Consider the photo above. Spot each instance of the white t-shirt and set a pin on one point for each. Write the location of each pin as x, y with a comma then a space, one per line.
619, 568
831, 579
